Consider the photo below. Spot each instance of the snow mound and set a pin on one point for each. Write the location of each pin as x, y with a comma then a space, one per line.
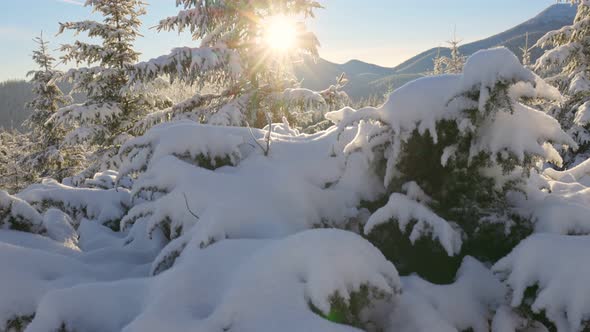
468, 303
305, 269
560, 267
39, 265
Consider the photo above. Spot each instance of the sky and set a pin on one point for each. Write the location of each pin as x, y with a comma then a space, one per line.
384, 32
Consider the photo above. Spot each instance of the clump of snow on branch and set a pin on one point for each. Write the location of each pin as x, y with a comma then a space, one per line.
104, 206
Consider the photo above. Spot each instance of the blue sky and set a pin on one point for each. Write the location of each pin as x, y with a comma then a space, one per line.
385, 32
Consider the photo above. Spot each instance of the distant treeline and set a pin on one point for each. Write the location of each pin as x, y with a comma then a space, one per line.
14, 94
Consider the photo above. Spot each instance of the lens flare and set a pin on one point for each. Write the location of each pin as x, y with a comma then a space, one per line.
280, 33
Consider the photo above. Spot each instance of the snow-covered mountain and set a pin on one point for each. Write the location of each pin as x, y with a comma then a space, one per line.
366, 79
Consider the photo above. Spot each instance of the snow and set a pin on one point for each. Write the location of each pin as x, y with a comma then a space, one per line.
560, 267
301, 95
202, 59
104, 206
301, 163
216, 234
103, 180
468, 303
177, 300
486, 67
60, 228
415, 193
583, 114
181, 138
556, 56
406, 108
564, 204
521, 132
86, 113
403, 210
14, 211
575, 174
508, 320
230, 114
39, 266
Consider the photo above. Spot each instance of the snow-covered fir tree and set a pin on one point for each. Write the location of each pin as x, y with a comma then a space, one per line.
567, 65
46, 158
13, 176
242, 66
48, 98
452, 157
438, 66
449, 65
526, 52
114, 105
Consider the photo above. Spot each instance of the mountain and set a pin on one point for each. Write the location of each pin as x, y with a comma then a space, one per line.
366, 79
552, 18
363, 77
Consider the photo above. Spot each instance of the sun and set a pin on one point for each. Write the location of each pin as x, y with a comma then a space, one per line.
280, 33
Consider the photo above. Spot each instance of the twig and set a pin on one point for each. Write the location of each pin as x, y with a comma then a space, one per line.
268, 139
188, 207
256, 140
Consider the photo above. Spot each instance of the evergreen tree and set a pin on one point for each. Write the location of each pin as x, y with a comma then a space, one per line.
454, 160
450, 65
13, 177
48, 98
567, 66
457, 60
46, 158
113, 105
249, 77
438, 68
526, 52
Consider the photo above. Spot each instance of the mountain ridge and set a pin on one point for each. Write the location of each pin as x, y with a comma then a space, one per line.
367, 78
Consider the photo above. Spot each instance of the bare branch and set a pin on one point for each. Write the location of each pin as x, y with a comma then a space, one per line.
254, 138
188, 207
268, 139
